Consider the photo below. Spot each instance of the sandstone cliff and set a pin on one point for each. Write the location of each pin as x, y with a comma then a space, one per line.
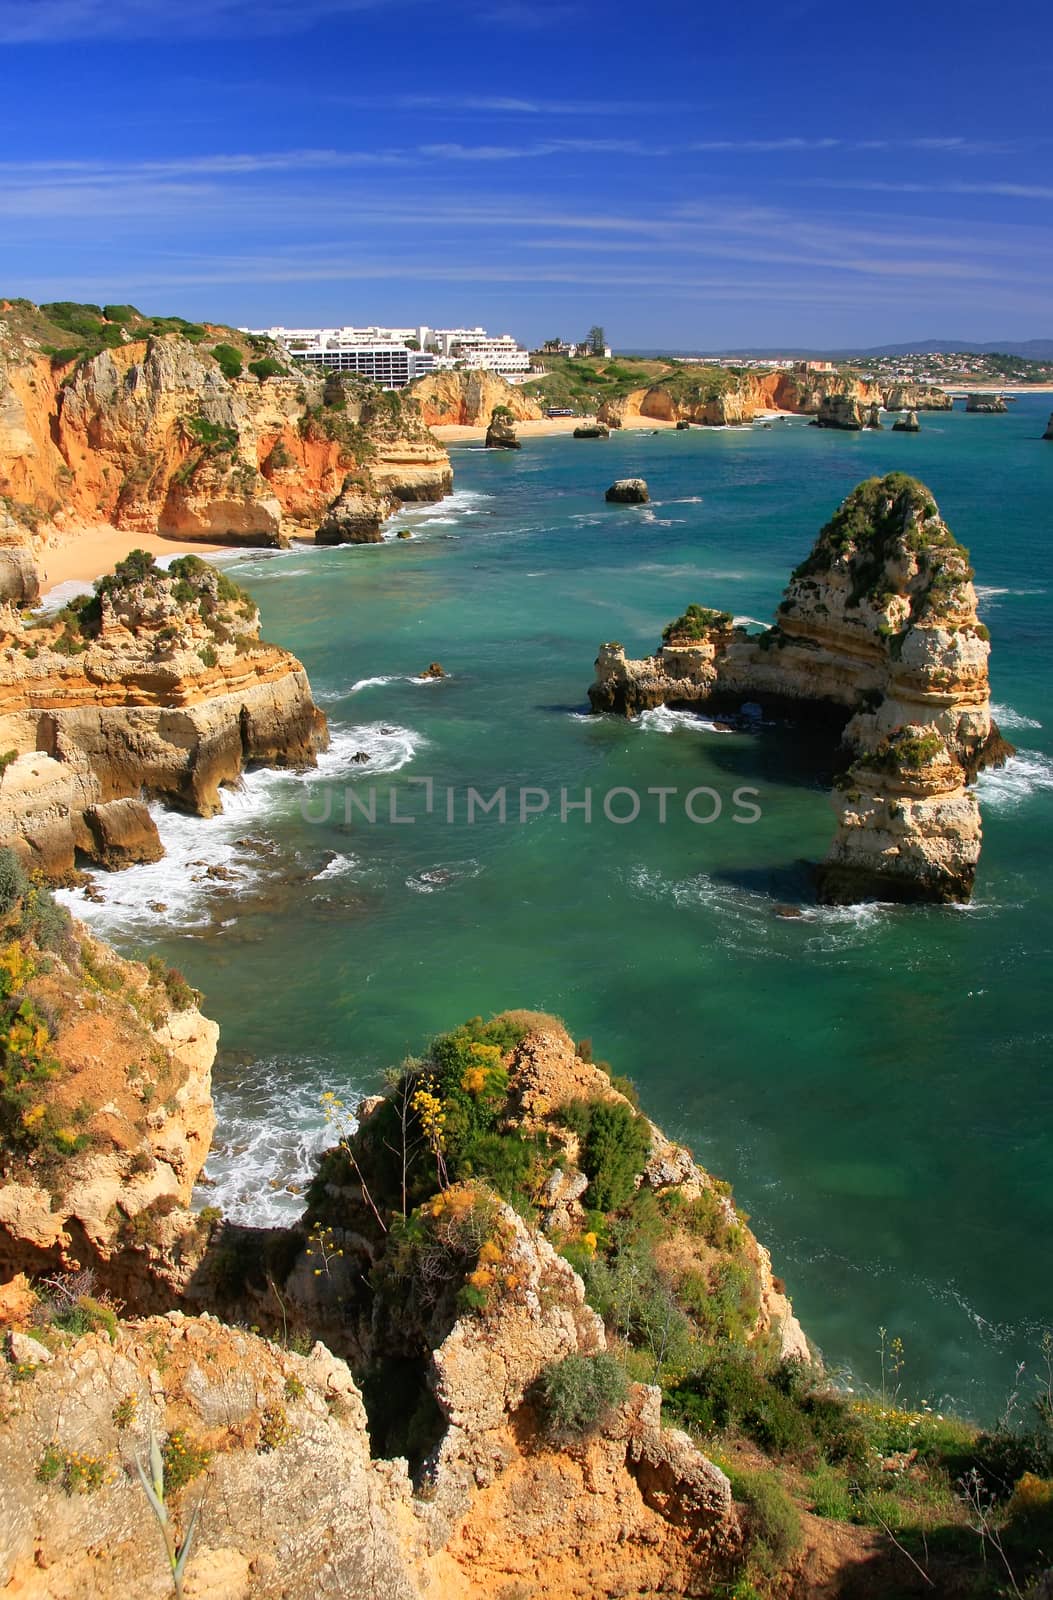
469, 399
105, 1096
158, 686
878, 627
164, 435
722, 397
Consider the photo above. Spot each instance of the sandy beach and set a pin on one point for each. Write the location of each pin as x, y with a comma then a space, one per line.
88, 554
996, 388
456, 433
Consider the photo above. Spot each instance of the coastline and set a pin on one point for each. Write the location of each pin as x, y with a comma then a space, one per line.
86, 554
465, 433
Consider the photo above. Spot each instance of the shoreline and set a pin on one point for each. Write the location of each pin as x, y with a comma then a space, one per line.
84, 556
471, 433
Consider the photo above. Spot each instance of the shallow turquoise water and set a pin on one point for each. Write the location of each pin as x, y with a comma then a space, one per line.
875, 1082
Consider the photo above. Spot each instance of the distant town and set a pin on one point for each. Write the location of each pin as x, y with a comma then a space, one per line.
395, 357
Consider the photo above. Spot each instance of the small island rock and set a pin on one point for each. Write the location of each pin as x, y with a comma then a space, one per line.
501, 434
907, 424
629, 492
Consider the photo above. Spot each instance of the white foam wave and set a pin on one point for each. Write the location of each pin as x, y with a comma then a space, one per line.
443, 875
746, 622
990, 591
270, 1134
663, 720
338, 867
180, 890
1004, 788
1006, 717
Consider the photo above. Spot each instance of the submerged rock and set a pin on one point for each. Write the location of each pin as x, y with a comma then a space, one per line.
629, 492
434, 670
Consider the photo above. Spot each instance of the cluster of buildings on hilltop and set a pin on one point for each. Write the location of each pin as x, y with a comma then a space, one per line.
394, 357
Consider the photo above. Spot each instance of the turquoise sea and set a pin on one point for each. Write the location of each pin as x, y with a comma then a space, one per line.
874, 1081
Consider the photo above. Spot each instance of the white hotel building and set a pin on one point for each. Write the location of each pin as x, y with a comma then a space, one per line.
384, 355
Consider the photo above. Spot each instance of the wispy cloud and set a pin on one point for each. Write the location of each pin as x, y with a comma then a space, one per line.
1004, 187
58, 21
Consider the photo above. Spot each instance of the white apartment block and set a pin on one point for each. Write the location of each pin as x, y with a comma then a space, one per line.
385, 356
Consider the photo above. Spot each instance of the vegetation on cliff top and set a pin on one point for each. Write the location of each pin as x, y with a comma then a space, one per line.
696, 624
70, 330
890, 533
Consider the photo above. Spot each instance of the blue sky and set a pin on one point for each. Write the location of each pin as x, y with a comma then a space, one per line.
687, 175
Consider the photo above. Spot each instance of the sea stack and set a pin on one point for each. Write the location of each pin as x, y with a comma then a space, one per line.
501, 434
878, 638
1049, 428
907, 424
628, 492
593, 431
839, 411
985, 403
874, 417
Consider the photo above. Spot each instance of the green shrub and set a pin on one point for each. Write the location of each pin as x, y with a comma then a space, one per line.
183, 1460
773, 1525
75, 1471
696, 623
576, 1396
615, 1144
14, 884
831, 1494
229, 359
267, 367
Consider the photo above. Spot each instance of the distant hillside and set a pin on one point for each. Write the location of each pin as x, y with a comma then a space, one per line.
1026, 349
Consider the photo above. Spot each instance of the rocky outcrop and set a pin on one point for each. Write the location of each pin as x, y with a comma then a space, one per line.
985, 403
910, 396
907, 424
1049, 429
357, 516
628, 492
19, 579
625, 1505
873, 417
469, 399
154, 436
160, 685
593, 431
501, 433
877, 634
840, 411
275, 1450
115, 1128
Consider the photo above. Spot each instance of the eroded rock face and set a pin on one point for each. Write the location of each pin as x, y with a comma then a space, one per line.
356, 517
133, 1083
917, 397
168, 690
469, 399
878, 632
19, 579
840, 411
292, 1504
152, 437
